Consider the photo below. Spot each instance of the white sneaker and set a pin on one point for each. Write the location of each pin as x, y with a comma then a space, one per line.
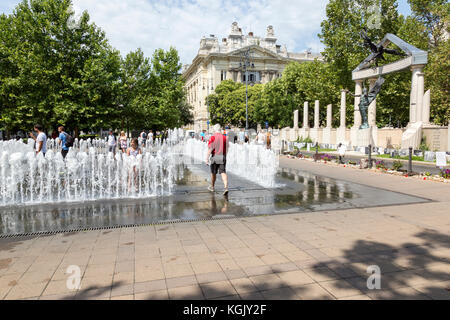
210, 188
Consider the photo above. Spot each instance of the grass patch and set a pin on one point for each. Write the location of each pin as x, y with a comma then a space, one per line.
320, 150
414, 158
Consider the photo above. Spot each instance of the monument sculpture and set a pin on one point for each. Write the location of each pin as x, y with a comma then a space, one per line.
367, 98
378, 51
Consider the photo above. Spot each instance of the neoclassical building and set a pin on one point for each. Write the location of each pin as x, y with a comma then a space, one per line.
218, 61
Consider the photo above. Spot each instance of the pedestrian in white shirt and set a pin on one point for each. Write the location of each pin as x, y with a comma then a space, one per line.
41, 139
112, 143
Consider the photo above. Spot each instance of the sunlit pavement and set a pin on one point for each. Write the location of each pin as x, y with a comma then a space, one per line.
309, 255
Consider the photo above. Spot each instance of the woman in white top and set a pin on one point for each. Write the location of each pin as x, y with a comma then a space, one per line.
134, 151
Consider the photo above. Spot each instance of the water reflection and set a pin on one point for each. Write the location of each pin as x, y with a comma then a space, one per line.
302, 191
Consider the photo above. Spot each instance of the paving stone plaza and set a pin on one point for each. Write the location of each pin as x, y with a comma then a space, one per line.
308, 255
301, 152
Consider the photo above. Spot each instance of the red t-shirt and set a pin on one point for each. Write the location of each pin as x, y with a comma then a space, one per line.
218, 144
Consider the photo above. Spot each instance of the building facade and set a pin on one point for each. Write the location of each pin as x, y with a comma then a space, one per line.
216, 62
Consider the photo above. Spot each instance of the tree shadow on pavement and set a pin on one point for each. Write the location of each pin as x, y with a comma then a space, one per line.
408, 271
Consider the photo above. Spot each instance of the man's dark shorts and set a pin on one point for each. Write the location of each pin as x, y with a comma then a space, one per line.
219, 166
64, 153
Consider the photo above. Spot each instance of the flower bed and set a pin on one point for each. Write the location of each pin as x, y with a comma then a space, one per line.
381, 168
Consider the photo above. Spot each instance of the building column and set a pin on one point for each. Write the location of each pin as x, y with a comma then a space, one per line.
329, 115
372, 116
326, 132
305, 115
296, 119
316, 115
343, 108
357, 114
416, 70
426, 107
420, 94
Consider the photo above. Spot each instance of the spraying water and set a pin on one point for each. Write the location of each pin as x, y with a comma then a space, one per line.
249, 161
90, 172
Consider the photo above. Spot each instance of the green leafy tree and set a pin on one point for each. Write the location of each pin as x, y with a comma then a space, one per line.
220, 110
433, 14
276, 106
135, 82
311, 81
437, 80
166, 105
344, 49
59, 70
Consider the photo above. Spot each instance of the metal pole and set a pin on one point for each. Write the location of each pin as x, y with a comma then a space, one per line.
246, 98
370, 156
317, 152
410, 160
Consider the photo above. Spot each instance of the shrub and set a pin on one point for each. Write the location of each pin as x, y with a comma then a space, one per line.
445, 173
380, 165
327, 157
423, 145
397, 165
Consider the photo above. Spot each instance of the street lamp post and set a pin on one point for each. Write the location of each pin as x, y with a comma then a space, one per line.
245, 64
207, 101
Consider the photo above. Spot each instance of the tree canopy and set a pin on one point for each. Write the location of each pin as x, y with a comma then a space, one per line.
58, 70
344, 50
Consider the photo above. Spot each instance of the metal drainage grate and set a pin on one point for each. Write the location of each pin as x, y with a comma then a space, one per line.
158, 223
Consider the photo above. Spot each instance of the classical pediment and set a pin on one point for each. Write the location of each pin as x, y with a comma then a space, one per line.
257, 52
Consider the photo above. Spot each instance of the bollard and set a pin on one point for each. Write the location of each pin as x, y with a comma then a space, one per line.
317, 152
370, 156
410, 161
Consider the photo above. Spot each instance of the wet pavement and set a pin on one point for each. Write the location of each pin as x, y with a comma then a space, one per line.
298, 191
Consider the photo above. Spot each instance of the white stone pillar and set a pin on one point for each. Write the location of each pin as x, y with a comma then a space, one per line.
329, 115
343, 109
305, 115
448, 138
420, 94
426, 107
372, 114
357, 114
341, 132
316, 114
326, 132
416, 70
296, 119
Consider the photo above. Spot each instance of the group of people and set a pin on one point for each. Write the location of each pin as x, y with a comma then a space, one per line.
261, 138
66, 141
143, 140
133, 150
218, 145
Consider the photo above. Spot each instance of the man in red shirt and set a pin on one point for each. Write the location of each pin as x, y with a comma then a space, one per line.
217, 151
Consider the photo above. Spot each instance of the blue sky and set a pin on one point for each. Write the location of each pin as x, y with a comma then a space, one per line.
151, 24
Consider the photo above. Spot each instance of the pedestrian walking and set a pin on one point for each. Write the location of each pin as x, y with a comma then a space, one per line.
112, 142
217, 158
40, 139
65, 140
